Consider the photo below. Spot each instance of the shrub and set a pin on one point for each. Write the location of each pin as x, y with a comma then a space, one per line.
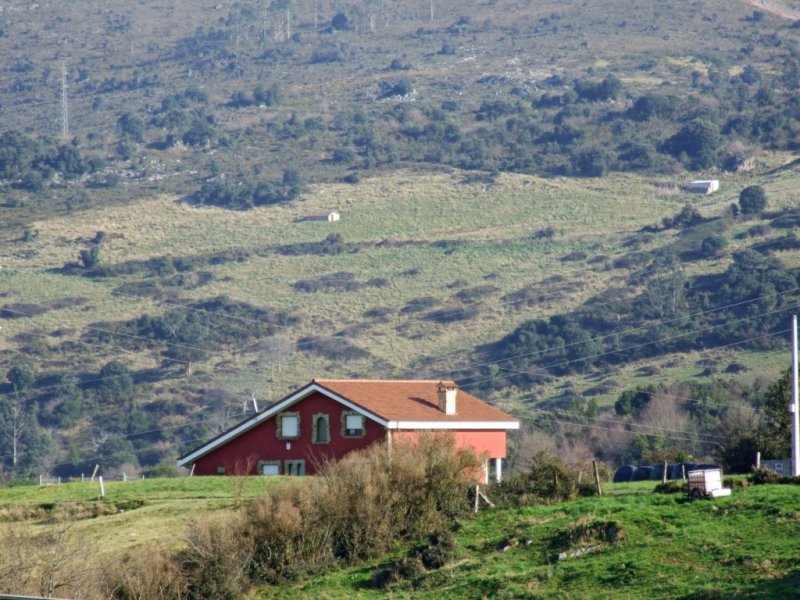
764, 475
162, 470
546, 480
713, 245
287, 535
408, 568
440, 551
216, 559
360, 506
144, 573
670, 487
752, 200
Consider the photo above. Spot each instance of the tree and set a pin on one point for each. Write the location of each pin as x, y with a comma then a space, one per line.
752, 200
713, 245
90, 257
116, 451
592, 162
13, 424
21, 375
132, 126
269, 96
340, 22
775, 432
115, 383
699, 140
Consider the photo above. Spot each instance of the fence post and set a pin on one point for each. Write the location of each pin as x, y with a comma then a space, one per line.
96, 468
683, 472
40, 481
477, 495
758, 460
102, 488
664, 474
124, 476
597, 479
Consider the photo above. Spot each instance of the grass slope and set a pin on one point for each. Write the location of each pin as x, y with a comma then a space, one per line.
745, 545
132, 514
445, 235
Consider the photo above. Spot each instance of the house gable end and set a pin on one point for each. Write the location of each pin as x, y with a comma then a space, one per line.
267, 414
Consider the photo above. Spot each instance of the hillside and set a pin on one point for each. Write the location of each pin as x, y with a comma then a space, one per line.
508, 177
664, 546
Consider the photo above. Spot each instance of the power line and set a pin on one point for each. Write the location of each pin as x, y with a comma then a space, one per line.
657, 323
715, 348
300, 344
552, 417
614, 429
644, 344
568, 415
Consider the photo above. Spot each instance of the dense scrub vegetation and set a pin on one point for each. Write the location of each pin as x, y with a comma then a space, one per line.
674, 313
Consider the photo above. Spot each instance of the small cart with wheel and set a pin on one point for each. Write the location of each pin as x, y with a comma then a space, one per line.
706, 483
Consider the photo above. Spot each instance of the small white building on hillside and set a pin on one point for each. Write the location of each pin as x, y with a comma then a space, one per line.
703, 186
329, 217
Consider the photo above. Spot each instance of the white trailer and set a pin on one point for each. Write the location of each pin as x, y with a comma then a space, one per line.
706, 483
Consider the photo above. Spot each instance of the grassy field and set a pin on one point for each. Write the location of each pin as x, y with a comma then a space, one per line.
668, 547
133, 514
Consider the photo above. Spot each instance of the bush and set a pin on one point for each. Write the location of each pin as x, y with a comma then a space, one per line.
713, 245
360, 506
440, 551
162, 470
288, 537
408, 568
752, 200
763, 475
670, 487
215, 561
144, 573
547, 480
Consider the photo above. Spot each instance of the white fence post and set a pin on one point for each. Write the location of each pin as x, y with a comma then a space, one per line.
102, 488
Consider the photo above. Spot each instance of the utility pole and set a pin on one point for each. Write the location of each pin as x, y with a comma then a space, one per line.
795, 407
64, 103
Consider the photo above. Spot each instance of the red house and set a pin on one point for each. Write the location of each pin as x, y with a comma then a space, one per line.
330, 417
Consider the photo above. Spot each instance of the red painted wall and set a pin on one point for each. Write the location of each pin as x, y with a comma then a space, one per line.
262, 443
490, 443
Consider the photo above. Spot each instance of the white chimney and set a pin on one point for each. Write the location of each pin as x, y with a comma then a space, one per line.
447, 397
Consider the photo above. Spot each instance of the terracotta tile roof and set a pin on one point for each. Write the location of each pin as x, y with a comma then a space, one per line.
411, 400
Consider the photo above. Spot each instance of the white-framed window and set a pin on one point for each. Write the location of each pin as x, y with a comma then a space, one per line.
289, 426
321, 433
269, 467
294, 467
352, 425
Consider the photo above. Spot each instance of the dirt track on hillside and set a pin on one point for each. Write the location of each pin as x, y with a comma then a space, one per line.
776, 9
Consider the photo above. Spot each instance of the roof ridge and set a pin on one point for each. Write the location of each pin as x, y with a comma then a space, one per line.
387, 380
